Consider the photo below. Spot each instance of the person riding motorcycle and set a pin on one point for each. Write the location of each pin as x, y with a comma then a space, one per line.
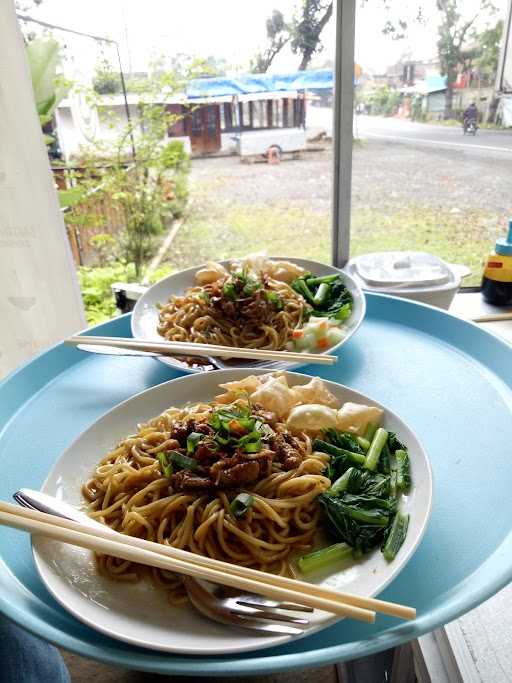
470, 115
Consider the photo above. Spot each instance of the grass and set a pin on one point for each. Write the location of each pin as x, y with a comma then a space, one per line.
224, 231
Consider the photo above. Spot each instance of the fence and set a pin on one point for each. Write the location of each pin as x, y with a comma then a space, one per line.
96, 214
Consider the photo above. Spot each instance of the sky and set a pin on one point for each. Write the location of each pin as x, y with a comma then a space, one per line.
230, 29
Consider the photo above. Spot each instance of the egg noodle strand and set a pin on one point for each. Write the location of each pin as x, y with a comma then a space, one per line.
128, 493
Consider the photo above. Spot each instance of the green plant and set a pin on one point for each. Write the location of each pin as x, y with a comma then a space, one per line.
104, 245
150, 186
106, 81
49, 86
384, 101
95, 284
417, 113
489, 41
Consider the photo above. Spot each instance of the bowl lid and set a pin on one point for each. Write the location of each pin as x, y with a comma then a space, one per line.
415, 268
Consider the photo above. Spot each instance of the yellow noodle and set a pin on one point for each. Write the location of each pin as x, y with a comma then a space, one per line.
128, 492
191, 318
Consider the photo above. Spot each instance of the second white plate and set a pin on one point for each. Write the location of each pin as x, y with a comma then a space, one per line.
144, 320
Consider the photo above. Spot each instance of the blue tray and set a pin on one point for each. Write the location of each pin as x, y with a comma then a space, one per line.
450, 380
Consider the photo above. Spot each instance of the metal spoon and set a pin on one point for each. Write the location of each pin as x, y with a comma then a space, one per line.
114, 351
218, 603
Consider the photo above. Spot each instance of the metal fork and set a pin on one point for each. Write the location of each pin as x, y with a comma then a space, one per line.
218, 603
247, 610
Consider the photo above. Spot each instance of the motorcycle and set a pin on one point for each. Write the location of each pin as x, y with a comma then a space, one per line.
470, 127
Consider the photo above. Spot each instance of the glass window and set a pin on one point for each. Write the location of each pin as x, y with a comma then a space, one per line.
418, 182
234, 207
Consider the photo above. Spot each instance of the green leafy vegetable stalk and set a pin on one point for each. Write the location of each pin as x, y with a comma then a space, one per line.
328, 296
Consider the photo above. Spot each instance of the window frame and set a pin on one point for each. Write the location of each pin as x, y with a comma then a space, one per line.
343, 131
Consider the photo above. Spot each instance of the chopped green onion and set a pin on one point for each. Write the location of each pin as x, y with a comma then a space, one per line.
396, 536
182, 462
376, 446
166, 468
250, 443
204, 296
246, 422
320, 559
193, 440
239, 505
229, 291
341, 484
274, 299
224, 441
251, 286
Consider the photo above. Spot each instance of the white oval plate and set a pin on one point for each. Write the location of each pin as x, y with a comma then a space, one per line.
144, 320
140, 614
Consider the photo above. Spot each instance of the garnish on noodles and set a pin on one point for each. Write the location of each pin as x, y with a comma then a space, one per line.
251, 477
258, 303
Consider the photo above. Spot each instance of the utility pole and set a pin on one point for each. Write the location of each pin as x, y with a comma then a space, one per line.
504, 73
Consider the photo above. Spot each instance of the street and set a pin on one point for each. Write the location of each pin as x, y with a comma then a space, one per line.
491, 143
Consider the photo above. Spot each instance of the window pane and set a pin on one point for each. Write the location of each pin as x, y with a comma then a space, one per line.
419, 183
232, 207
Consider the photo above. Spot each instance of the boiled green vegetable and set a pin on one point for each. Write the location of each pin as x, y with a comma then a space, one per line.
321, 559
396, 536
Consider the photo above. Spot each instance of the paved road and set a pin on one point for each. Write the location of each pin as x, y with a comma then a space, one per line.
485, 142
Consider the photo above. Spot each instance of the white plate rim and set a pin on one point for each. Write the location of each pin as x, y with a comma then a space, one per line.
168, 282
45, 571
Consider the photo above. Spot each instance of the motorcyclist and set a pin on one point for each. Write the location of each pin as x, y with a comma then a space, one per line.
470, 115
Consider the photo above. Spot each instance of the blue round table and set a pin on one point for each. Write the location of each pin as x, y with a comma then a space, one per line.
448, 379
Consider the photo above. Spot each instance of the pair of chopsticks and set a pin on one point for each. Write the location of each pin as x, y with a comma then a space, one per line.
194, 349
183, 562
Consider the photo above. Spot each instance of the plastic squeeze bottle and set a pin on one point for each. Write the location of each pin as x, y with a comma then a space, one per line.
497, 279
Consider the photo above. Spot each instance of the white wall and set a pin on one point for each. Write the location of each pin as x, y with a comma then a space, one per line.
39, 298
109, 126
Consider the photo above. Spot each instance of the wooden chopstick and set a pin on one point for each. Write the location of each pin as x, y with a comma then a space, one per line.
373, 604
493, 317
86, 537
194, 349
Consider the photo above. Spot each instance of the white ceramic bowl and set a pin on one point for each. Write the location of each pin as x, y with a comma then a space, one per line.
440, 295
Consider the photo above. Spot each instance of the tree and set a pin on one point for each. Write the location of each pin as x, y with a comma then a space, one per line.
310, 19
106, 81
453, 31
489, 41
147, 189
278, 34
303, 33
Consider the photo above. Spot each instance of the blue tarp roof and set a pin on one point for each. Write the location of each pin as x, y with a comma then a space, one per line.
256, 83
